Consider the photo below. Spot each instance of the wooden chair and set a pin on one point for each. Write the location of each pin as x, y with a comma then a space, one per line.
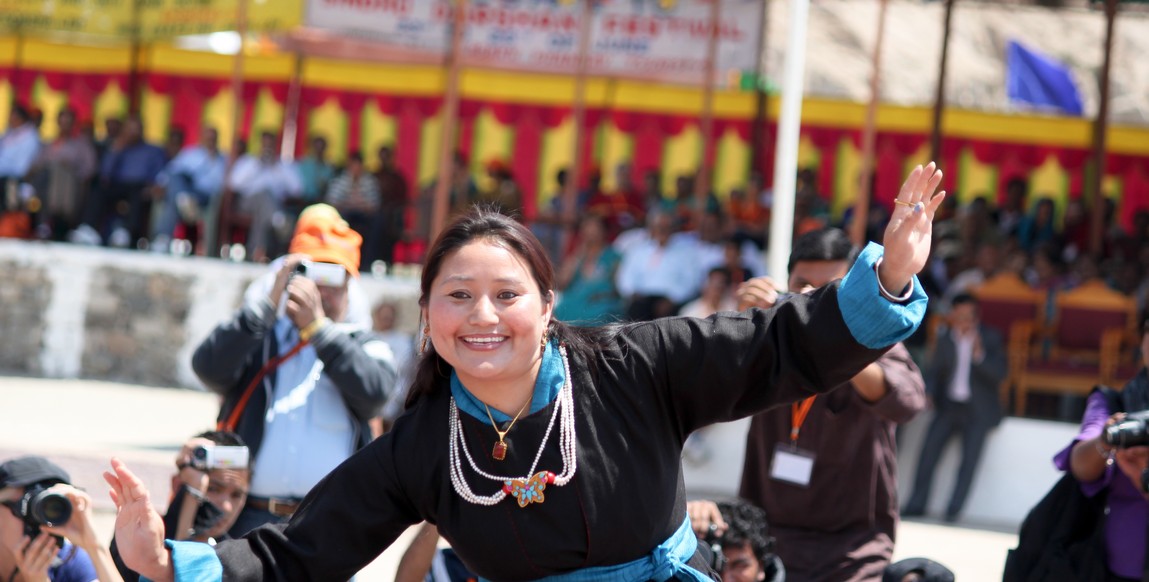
1081, 346
1010, 306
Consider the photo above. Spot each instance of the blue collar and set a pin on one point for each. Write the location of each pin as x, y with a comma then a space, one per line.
547, 385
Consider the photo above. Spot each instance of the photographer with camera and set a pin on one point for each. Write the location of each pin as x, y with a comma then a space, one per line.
737, 534
46, 528
298, 378
208, 491
1110, 457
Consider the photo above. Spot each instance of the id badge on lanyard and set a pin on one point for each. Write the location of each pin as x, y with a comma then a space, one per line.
792, 464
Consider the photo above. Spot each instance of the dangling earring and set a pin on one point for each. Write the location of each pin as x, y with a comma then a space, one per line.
426, 335
543, 342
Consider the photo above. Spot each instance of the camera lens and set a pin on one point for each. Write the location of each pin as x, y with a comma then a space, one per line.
50, 508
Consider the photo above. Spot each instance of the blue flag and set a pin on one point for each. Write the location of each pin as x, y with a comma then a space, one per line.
1036, 80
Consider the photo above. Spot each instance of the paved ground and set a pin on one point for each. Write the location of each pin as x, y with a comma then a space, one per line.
82, 424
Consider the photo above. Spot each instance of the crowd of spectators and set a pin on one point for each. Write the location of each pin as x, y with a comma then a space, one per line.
633, 251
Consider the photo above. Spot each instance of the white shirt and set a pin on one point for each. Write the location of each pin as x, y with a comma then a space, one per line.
18, 149
206, 170
650, 269
251, 176
307, 429
959, 386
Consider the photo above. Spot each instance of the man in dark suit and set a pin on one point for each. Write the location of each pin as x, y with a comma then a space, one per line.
967, 366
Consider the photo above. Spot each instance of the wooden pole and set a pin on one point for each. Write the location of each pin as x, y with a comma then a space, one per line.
758, 131
237, 76
134, 65
869, 135
578, 117
940, 92
450, 113
1096, 196
17, 73
706, 122
291, 109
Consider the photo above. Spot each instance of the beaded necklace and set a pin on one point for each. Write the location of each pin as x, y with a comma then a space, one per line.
528, 489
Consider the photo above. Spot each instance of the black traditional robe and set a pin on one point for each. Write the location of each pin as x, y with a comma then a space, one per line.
636, 401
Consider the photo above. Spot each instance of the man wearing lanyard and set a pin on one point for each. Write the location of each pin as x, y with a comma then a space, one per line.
824, 469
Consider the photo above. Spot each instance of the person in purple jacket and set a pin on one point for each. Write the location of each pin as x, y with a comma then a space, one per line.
1101, 467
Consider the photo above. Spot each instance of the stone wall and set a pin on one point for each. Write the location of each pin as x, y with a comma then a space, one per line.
24, 296
126, 316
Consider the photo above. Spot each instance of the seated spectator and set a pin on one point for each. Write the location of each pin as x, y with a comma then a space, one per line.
188, 185
587, 276
315, 173
120, 205
69, 551
547, 225
355, 194
390, 218
749, 215
174, 144
657, 275
717, 295
60, 176
18, 148
739, 532
504, 194
1037, 229
206, 498
262, 183
623, 208
402, 346
986, 265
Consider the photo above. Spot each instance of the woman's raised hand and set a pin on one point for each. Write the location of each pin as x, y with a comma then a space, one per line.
908, 235
139, 527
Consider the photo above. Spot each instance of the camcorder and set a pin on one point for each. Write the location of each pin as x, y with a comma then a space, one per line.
219, 457
1131, 432
325, 274
39, 507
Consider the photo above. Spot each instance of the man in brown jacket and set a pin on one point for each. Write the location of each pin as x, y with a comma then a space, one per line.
825, 470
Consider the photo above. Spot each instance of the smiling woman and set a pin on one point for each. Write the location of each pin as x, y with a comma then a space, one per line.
591, 420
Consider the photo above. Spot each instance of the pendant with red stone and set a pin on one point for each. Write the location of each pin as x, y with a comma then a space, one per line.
499, 452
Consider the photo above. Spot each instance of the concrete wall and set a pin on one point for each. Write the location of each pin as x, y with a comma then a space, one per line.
1015, 473
127, 316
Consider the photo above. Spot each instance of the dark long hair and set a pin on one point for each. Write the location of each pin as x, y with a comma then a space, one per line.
486, 224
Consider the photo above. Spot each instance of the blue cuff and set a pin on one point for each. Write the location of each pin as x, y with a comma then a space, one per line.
194, 562
874, 321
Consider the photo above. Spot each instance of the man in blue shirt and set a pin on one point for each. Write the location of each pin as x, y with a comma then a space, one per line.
18, 148
188, 183
119, 204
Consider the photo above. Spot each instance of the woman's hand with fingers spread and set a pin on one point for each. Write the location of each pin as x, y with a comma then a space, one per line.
139, 527
908, 235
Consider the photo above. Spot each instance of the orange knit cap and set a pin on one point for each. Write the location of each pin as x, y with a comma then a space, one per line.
322, 234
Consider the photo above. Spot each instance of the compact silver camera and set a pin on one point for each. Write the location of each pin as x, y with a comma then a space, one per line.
220, 457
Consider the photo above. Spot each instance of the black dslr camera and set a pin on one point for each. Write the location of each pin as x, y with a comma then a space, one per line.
39, 507
713, 542
1131, 432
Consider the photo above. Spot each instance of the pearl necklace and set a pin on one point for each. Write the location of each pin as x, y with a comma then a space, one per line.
527, 489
